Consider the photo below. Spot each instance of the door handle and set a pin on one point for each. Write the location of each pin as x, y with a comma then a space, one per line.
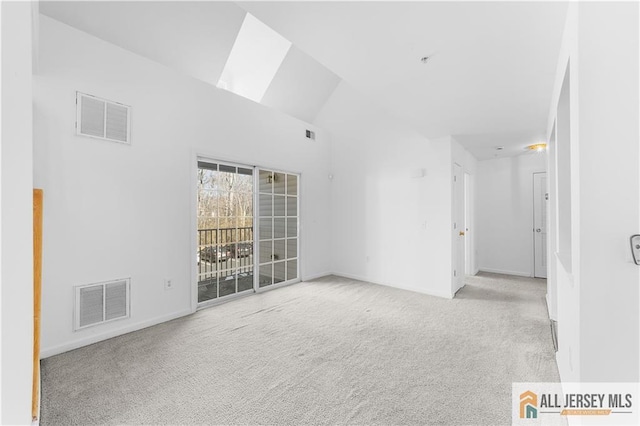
462, 233
538, 230
635, 248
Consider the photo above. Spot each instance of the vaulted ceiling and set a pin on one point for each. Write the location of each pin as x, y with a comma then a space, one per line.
488, 79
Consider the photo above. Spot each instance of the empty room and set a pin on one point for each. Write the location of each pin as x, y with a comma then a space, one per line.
395, 213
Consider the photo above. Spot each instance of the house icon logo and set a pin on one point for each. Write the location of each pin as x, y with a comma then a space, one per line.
528, 405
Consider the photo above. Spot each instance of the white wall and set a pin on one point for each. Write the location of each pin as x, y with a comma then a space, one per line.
505, 213
598, 287
609, 199
552, 267
113, 210
387, 226
566, 272
16, 181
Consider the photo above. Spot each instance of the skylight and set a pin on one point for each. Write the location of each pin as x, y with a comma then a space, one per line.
254, 60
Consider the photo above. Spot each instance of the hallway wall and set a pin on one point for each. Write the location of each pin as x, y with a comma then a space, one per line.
598, 285
505, 213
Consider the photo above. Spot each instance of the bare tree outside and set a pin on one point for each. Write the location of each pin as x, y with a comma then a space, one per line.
225, 230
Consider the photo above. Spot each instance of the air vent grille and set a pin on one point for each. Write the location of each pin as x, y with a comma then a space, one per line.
103, 119
91, 305
100, 303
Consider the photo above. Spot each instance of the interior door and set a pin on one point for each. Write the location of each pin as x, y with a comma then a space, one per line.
458, 229
540, 199
468, 236
278, 246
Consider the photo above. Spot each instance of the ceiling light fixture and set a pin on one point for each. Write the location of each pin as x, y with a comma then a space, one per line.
499, 148
537, 147
424, 59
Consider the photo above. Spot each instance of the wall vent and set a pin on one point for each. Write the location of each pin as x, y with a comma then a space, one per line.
102, 302
311, 134
102, 119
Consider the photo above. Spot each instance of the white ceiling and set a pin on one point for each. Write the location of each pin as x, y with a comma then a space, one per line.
488, 82
197, 38
301, 86
192, 37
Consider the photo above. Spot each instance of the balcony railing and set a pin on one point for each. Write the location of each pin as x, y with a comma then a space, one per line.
224, 252
222, 236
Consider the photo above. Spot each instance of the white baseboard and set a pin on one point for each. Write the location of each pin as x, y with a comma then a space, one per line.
400, 287
551, 317
316, 276
75, 344
504, 272
88, 340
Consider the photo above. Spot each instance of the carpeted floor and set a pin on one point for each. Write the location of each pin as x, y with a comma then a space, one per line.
329, 351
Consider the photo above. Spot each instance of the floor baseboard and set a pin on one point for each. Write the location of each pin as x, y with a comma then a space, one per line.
75, 344
400, 287
505, 272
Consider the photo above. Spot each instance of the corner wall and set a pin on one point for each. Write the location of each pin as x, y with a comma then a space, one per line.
391, 197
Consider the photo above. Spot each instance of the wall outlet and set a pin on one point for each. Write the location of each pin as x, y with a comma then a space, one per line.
168, 284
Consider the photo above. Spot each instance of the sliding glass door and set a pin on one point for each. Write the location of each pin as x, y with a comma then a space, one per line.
225, 230
278, 225
225, 241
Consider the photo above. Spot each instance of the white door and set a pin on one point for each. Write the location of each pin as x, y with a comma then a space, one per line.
468, 236
458, 228
540, 197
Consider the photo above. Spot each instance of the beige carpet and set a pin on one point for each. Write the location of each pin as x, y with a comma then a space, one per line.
330, 351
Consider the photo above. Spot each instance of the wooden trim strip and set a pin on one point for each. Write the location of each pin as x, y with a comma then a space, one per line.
37, 287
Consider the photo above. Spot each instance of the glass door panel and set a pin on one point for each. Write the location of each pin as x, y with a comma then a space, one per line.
278, 224
225, 230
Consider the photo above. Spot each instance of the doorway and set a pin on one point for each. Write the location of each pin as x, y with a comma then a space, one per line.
458, 229
468, 234
540, 199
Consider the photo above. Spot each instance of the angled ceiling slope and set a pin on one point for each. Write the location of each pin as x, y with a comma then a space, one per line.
192, 37
198, 39
491, 66
301, 87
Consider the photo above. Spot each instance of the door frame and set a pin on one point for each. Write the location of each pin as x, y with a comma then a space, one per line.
468, 215
544, 210
457, 223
